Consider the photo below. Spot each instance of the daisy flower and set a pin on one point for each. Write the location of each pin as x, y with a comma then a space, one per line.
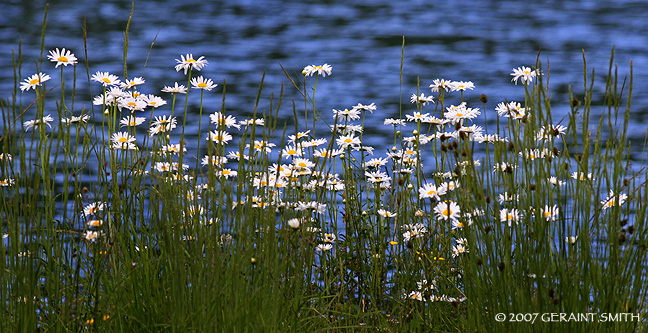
201, 83
62, 57
461, 86
93, 208
324, 247
106, 79
582, 176
525, 74
177, 89
376, 177
612, 200
7, 182
512, 110
291, 151
121, 138
94, 223
227, 173
509, 216
248, 122
91, 236
189, 62
219, 137
5, 156
131, 121
456, 224
218, 118
33, 81
262, 146
447, 210
347, 114
172, 148
133, 104
417, 116
314, 143
423, 100
162, 124
80, 119
347, 140
394, 122
550, 213
324, 153
32, 123
417, 230
322, 70
440, 84
459, 112
571, 239
154, 101
303, 163
416, 295
376, 162
299, 136
371, 107
386, 213
294, 223
555, 181
431, 191
215, 160
459, 249
136, 81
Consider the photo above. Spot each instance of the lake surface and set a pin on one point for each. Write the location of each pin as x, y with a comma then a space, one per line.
478, 41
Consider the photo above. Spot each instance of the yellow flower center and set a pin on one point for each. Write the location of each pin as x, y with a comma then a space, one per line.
292, 152
432, 193
34, 81
447, 212
132, 104
509, 217
348, 140
459, 114
547, 214
62, 59
202, 84
122, 139
226, 172
107, 80
302, 164
190, 60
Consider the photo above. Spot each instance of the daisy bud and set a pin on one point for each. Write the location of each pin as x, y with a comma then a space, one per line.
409, 186
106, 112
415, 132
501, 266
294, 223
575, 102
394, 149
253, 261
483, 98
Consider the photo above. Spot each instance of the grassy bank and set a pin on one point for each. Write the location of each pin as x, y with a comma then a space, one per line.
114, 220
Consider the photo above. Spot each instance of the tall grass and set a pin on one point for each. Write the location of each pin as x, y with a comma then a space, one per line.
284, 230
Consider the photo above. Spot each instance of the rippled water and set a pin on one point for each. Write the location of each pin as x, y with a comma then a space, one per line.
480, 41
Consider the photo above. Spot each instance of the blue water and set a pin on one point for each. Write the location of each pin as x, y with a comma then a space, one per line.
479, 41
